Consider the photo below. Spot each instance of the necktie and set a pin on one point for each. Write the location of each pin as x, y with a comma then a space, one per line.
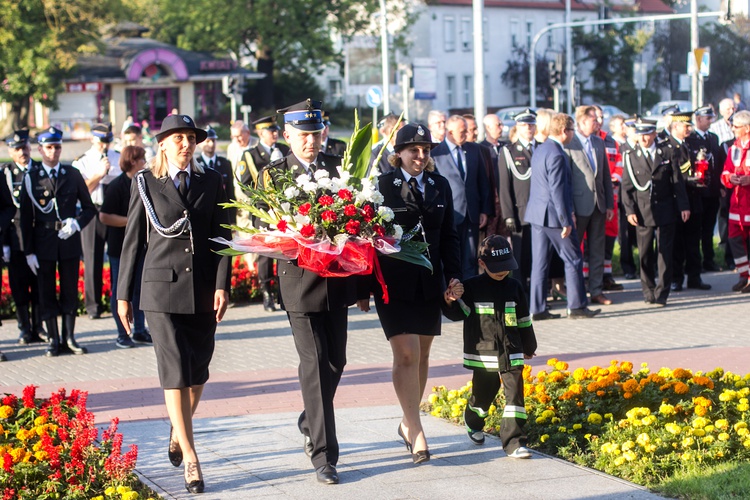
211, 163
590, 154
415, 191
53, 177
183, 188
460, 164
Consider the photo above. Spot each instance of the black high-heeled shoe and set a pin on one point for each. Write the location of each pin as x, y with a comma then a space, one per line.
196, 485
402, 436
421, 457
175, 456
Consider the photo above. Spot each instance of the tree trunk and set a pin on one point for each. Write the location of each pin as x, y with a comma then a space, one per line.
264, 89
18, 117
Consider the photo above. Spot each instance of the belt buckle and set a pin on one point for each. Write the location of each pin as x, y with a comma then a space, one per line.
58, 225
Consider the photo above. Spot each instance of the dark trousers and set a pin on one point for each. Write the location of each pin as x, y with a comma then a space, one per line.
708, 224
662, 256
93, 238
593, 226
468, 235
521, 244
485, 386
739, 235
723, 226
23, 283
68, 302
320, 339
687, 251
139, 317
627, 242
569, 250
265, 270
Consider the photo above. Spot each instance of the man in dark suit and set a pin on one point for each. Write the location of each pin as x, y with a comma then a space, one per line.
385, 127
23, 286
654, 197
550, 213
461, 163
209, 159
514, 169
51, 226
329, 145
316, 306
593, 199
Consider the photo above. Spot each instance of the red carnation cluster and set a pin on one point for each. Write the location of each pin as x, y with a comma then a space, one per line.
352, 227
304, 209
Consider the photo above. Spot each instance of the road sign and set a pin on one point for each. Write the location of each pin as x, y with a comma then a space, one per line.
704, 68
246, 108
374, 96
640, 76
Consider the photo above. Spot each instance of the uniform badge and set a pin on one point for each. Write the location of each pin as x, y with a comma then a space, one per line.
186, 119
519, 147
658, 151
15, 171
42, 173
638, 153
42, 202
518, 163
420, 130
62, 171
397, 182
430, 181
46, 193
16, 193
322, 164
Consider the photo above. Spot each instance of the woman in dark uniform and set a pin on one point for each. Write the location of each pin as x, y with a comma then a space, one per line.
174, 210
419, 198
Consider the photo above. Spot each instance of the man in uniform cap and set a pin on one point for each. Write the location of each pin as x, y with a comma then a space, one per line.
209, 159
252, 161
51, 222
385, 126
704, 145
654, 197
99, 166
316, 306
514, 166
23, 287
329, 145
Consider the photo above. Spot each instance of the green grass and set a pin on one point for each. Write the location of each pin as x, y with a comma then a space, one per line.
726, 481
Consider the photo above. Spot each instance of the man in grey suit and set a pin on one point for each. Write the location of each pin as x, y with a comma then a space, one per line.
593, 201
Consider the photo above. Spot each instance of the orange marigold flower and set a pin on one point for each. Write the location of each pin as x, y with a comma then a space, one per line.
579, 374
561, 365
701, 411
556, 376
631, 385
681, 373
681, 388
544, 399
657, 379
704, 381
627, 395
592, 387
626, 366
702, 401
552, 361
600, 393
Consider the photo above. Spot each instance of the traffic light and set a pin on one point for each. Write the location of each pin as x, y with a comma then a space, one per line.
228, 85
555, 75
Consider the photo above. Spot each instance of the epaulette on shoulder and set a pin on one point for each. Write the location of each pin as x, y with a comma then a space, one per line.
84, 154
276, 163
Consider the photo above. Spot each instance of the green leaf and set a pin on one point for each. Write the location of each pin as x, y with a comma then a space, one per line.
411, 252
229, 251
359, 149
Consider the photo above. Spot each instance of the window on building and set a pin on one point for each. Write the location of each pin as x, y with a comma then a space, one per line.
449, 33
485, 34
335, 89
514, 26
468, 90
550, 37
466, 34
450, 90
529, 34
487, 94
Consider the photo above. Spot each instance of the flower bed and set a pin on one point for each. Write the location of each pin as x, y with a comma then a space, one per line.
49, 449
641, 426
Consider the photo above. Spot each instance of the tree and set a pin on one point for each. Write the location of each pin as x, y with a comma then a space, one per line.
516, 74
40, 41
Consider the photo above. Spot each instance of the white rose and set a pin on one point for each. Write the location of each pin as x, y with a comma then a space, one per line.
398, 232
302, 179
324, 183
291, 192
385, 213
309, 187
376, 198
320, 174
337, 185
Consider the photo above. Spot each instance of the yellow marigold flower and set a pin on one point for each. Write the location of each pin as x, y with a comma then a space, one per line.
540, 420
746, 443
130, 495
528, 390
608, 448
575, 388
41, 455
701, 411
540, 389
544, 438
643, 439
629, 455
743, 407
649, 420
122, 489
709, 428
23, 434
665, 372
699, 423
562, 428
745, 391
702, 401
687, 456
626, 366
673, 428
619, 461
650, 448
627, 445
726, 395
743, 432
608, 416
462, 401
722, 424
432, 399
556, 376
452, 394
687, 442
699, 432
6, 411
541, 376
455, 411
40, 420
17, 454
548, 413
594, 418
740, 425
100, 497
492, 410
723, 436
743, 401
561, 366
552, 361
740, 384
579, 374
577, 427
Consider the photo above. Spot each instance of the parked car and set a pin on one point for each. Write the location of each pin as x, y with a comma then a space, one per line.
657, 110
506, 116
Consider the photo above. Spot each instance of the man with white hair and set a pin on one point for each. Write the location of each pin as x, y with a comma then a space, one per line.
722, 127
241, 140
436, 124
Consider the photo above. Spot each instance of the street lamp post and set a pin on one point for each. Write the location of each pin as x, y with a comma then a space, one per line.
384, 57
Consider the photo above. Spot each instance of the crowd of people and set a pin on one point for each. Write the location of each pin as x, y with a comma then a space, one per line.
510, 226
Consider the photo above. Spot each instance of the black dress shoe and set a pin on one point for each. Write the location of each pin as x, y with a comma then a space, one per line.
629, 276
544, 315
197, 486
612, 286
307, 445
175, 456
676, 287
421, 457
327, 474
699, 286
660, 303
710, 266
583, 313
739, 285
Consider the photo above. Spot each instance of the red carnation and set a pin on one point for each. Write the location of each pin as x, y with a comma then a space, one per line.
368, 213
379, 230
328, 216
350, 210
326, 200
281, 225
345, 194
304, 209
308, 231
352, 227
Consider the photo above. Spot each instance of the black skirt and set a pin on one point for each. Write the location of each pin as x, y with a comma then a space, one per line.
184, 346
402, 316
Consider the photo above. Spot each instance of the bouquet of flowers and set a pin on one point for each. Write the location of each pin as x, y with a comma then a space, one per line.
331, 225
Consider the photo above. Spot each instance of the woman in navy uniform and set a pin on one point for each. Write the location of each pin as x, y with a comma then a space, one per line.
174, 210
419, 198
51, 237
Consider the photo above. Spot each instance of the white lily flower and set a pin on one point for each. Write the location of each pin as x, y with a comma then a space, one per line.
291, 192
320, 174
301, 220
309, 186
324, 182
302, 179
286, 207
337, 185
385, 213
344, 175
367, 184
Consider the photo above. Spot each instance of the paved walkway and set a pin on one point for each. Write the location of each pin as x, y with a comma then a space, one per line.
246, 430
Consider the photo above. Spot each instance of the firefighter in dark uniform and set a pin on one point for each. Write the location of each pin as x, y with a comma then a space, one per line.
703, 145
22, 281
209, 159
654, 197
316, 306
514, 164
687, 252
329, 145
252, 161
51, 237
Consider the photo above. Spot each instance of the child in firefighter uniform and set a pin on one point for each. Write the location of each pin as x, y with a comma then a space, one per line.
498, 336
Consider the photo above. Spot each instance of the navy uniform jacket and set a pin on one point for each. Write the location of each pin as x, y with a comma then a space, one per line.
663, 196
335, 147
514, 164
383, 166
406, 280
497, 329
551, 192
38, 233
175, 280
11, 172
224, 167
303, 290
681, 159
